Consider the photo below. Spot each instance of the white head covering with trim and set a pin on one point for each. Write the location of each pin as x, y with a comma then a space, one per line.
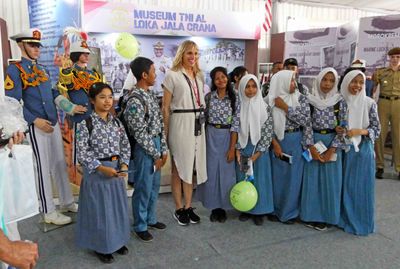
79, 46
280, 87
359, 106
32, 35
323, 100
253, 113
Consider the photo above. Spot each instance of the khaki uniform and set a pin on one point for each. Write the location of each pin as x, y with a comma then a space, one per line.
389, 111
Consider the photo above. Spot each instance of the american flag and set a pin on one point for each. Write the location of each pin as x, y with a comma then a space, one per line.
268, 15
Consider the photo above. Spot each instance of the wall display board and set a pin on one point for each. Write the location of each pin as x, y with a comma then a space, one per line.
314, 49
161, 50
377, 35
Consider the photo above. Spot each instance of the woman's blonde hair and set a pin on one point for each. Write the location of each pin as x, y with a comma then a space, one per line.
183, 47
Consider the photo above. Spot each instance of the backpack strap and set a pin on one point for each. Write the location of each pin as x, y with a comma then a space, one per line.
141, 100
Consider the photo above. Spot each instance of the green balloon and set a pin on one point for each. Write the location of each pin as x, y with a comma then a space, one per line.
127, 46
244, 196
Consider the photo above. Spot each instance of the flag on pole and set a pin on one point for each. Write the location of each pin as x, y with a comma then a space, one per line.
268, 15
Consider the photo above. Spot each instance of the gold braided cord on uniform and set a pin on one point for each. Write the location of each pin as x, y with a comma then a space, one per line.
37, 75
65, 78
84, 80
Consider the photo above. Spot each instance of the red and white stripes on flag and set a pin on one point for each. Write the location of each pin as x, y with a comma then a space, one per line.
268, 15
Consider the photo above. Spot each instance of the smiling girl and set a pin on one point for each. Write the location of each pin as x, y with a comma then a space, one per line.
322, 181
103, 151
357, 215
254, 139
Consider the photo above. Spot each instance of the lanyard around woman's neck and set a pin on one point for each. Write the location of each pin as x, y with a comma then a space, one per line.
192, 90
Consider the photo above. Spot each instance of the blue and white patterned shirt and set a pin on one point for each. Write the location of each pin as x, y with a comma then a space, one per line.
143, 128
219, 111
299, 116
326, 119
107, 138
374, 128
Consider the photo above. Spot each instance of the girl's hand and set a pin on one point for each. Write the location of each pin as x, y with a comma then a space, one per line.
230, 155
315, 155
164, 159
108, 171
327, 155
279, 103
340, 130
277, 150
255, 156
354, 132
238, 156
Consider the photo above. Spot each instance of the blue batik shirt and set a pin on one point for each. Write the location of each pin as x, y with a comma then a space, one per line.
145, 128
219, 111
107, 139
374, 128
299, 117
326, 119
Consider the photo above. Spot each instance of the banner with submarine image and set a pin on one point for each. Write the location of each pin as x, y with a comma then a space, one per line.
377, 35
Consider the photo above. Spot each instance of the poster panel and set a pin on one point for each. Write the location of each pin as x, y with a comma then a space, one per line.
377, 35
314, 49
161, 50
346, 41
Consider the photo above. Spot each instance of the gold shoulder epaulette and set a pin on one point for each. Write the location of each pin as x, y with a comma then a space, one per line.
65, 76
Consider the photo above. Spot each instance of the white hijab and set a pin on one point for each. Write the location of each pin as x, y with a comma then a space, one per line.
323, 100
359, 106
253, 113
280, 87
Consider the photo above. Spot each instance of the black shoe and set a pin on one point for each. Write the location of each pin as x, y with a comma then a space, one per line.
319, 226
214, 215
258, 220
398, 176
193, 217
106, 258
222, 215
379, 173
145, 236
310, 224
158, 225
244, 216
182, 217
289, 222
272, 217
123, 251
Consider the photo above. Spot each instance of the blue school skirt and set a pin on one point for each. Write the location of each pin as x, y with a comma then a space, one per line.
102, 221
322, 187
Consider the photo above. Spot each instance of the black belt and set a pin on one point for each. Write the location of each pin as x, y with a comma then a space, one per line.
293, 130
110, 159
188, 110
391, 98
325, 131
220, 126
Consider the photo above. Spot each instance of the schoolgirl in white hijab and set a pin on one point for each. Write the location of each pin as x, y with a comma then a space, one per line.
321, 99
359, 107
357, 211
291, 114
283, 86
253, 112
254, 139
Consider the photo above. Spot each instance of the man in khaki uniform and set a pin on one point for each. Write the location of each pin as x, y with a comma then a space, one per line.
388, 78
